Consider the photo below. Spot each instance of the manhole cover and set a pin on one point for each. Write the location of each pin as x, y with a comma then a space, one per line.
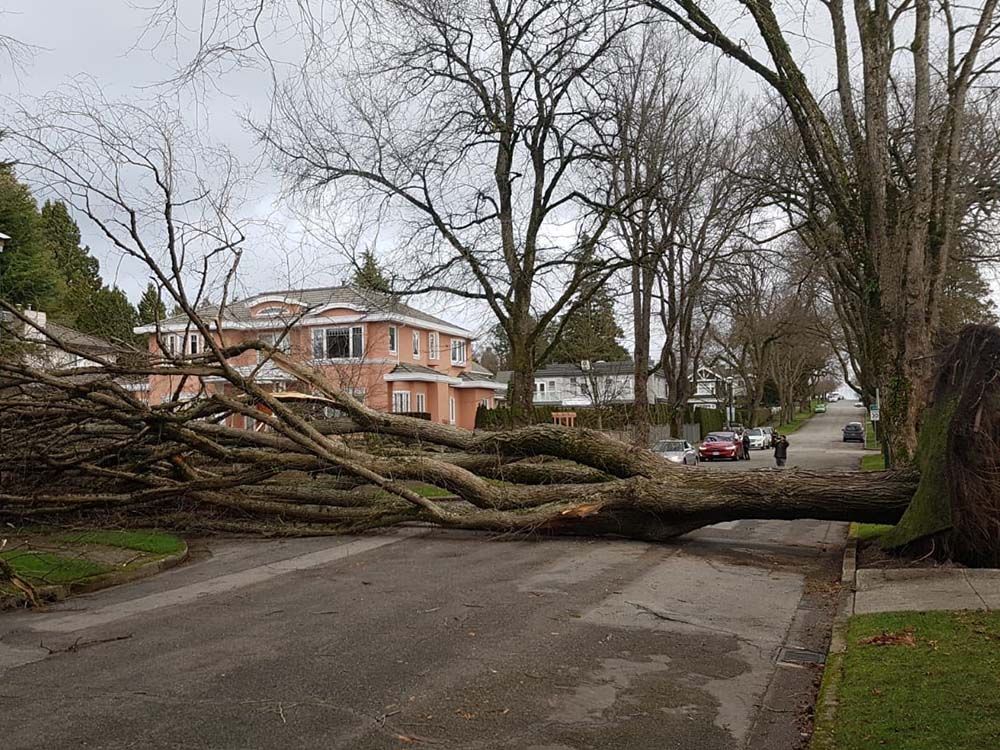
801, 656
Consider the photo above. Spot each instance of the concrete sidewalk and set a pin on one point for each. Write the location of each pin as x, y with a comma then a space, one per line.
896, 590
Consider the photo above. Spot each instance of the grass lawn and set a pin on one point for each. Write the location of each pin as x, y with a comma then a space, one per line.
916, 681
800, 419
873, 462
153, 542
44, 567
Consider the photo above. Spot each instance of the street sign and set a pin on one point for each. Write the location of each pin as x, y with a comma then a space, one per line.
874, 414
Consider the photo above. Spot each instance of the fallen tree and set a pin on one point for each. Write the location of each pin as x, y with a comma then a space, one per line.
81, 446
78, 447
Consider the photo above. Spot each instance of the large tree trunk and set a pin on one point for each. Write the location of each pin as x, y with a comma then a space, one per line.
78, 448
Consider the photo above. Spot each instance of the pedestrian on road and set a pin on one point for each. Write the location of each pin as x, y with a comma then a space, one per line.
746, 445
780, 450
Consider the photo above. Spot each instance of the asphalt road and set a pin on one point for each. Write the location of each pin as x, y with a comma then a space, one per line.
818, 444
443, 640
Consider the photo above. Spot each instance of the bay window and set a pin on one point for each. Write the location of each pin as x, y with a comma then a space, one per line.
457, 352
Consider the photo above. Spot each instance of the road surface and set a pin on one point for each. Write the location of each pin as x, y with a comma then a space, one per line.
425, 638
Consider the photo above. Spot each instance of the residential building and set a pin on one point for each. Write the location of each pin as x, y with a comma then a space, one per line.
590, 384
390, 355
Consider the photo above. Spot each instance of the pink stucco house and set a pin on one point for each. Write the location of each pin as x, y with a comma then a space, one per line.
392, 356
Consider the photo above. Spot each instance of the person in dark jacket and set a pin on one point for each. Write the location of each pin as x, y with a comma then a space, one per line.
746, 445
780, 450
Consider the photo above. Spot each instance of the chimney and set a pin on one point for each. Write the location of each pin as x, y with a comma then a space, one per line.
39, 319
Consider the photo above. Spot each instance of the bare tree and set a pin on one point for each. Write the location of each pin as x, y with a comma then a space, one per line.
677, 154
470, 127
897, 226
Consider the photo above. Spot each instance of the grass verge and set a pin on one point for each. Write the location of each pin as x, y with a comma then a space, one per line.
873, 462
153, 542
797, 421
916, 681
42, 568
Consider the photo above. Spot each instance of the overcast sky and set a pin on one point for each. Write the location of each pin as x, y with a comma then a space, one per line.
74, 39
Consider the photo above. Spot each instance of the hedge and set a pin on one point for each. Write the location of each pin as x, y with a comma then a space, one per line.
611, 417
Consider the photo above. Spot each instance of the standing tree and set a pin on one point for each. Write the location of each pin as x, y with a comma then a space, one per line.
590, 332
369, 274
151, 308
28, 273
473, 125
895, 213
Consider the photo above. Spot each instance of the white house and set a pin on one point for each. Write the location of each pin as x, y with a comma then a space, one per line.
590, 384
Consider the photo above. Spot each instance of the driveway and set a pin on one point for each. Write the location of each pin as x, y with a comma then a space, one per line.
426, 638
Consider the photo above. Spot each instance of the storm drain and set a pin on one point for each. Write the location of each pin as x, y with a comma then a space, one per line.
801, 656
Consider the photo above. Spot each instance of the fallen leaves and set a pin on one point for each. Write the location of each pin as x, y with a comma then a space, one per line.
905, 637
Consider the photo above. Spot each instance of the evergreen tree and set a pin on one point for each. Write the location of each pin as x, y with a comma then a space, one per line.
591, 332
79, 271
110, 315
151, 307
28, 273
369, 275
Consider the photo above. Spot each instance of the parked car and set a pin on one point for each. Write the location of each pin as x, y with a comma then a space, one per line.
724, 445
859, 404
678, 451
759, 440
834, 396
769, 434
854, 432
820, 408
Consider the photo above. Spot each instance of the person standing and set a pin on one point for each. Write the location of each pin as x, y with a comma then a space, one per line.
746, 445
780, 450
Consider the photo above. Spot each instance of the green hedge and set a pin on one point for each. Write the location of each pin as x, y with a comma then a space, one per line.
612, 417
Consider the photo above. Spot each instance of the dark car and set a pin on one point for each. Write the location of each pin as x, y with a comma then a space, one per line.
725, 445
854, 431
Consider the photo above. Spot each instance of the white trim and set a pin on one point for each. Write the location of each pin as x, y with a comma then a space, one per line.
433, 345
313, 320
415, 340
393, 345
492, 384
420, 402
254, 301
424, 377
452, 410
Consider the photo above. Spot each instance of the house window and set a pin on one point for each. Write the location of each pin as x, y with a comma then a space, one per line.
393, 340
400, 401
171, 343
416, 344
540, 387
338, 343
433, 345
485, 403
421, 403
194, 343
451, 410
457, 352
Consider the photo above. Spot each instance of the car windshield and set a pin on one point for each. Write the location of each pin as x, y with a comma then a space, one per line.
853, 426
756, 431
715, 437
669, 446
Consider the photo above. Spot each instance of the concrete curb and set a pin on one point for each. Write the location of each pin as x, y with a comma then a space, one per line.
114, 578
826, 703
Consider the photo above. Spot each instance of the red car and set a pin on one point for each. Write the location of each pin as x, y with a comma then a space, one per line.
725, 445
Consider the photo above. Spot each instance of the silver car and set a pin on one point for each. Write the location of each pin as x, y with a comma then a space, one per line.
678, 451
759, 440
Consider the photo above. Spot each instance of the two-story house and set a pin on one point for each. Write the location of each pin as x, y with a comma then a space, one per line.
390, 355
590, 384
